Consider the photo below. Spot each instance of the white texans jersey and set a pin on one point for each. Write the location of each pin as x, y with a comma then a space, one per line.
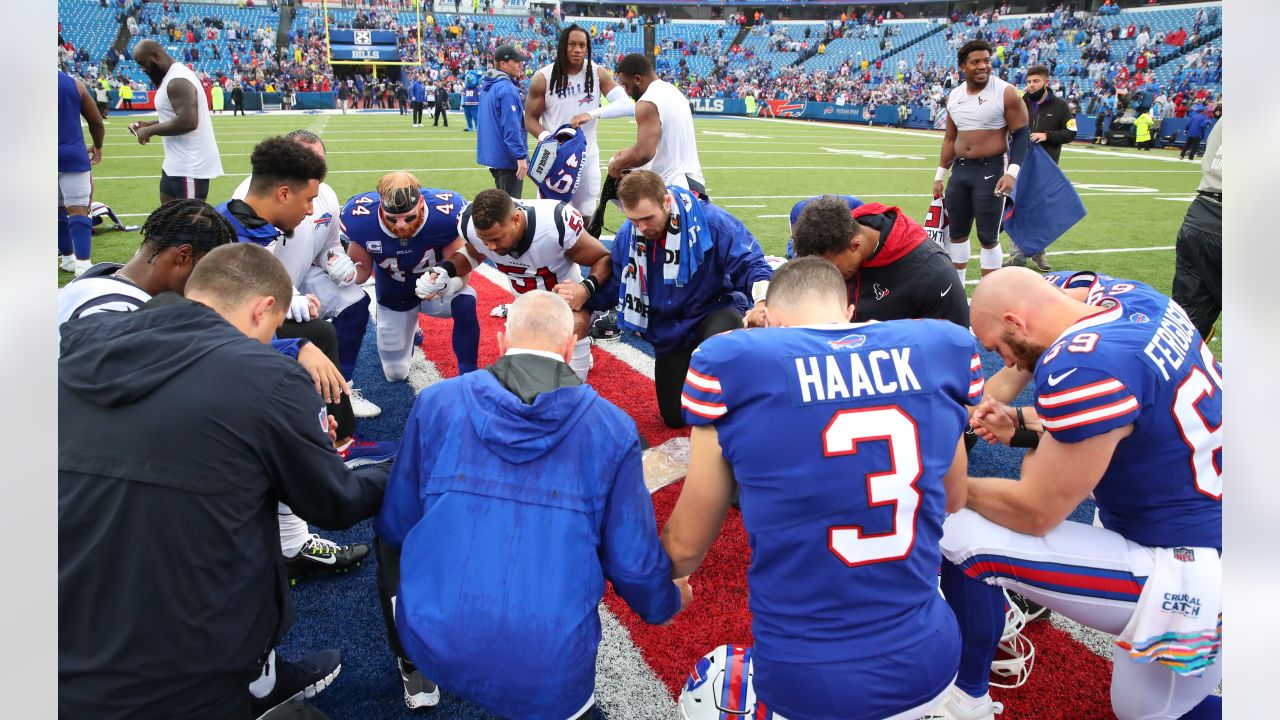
537, 262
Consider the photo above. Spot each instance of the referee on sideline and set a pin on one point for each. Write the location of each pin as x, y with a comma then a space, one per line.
982, 115
1052, 125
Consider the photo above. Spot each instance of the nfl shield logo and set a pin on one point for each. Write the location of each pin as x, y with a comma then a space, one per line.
1184, 554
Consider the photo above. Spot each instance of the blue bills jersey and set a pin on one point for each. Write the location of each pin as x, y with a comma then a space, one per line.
556, 163
839, 437
399, 263
1139, 361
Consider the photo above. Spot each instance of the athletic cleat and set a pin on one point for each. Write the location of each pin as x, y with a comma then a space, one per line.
320, 555
605, 326
67, 263
303, 678
82, 266
361, 406
1032, 610
419, 692
1017, 259
366, 452
958, 705
1039, 263
498, 311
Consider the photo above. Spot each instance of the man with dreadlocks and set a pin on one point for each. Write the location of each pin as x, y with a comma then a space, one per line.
567, 92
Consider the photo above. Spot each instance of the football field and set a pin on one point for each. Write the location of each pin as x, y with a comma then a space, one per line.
756, 169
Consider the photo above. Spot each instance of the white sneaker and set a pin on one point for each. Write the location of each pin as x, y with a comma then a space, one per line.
67, 263
498, 311
362, 407
959, 705
82, 266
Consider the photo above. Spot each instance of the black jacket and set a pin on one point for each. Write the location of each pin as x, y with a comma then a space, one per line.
1050, 116
178, 434
907, 277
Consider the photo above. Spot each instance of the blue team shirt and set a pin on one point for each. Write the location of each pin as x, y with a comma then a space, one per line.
471, 96
840, 437
556, 163
399, 263
72, 155
1139, 361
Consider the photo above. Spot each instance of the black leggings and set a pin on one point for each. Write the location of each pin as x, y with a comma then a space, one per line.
971, 196
417, 113
325, 337
669, 369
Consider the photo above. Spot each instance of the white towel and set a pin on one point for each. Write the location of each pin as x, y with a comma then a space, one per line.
1178, 620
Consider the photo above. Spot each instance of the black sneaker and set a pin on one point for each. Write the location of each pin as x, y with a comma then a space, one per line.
1017, 259
419, 692
1033, 610
302, 678
605, 327
321, 555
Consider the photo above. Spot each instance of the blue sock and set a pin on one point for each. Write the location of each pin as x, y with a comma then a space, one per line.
979, 609
466, 332
350, 325
64, 233
80, 227
1209, 708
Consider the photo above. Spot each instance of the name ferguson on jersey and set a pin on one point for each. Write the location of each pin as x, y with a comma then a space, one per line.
822, 378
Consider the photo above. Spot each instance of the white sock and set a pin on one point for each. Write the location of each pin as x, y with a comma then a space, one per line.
582, 360
961, 275
266, 682
990, 258
294, 532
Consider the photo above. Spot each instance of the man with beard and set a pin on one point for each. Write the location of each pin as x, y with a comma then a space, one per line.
191, 156
981, 115
1129, 400
665, 142
567, 92
1052, 125
501, 143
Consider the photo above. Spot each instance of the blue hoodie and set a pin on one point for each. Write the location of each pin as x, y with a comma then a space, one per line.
501, 139
417, 92
509, 517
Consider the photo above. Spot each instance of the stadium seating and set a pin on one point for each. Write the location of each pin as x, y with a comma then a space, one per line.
87, 25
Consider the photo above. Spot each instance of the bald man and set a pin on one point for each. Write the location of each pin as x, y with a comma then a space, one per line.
1128, 411
526, 447
191, 156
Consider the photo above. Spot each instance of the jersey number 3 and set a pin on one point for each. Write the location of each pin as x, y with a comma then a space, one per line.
895, 487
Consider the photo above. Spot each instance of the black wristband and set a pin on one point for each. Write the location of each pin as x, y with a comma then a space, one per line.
1025, 439
591, 284
449, 269
1022, 421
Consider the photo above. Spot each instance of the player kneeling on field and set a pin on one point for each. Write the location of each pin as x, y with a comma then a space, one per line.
399, 232
847, 618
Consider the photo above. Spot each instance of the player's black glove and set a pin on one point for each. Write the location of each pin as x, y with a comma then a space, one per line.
608, 193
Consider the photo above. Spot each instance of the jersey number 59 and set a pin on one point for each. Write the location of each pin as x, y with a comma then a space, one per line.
895, 487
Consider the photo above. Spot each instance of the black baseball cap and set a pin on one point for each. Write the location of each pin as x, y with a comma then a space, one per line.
508, 52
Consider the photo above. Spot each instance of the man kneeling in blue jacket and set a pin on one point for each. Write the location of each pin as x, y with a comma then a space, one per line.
516, 493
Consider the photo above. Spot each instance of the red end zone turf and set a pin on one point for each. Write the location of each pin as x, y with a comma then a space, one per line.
1069, 681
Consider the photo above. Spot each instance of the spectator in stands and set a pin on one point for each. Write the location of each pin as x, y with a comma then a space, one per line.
208, 634
575, 512
502, 144
237, 99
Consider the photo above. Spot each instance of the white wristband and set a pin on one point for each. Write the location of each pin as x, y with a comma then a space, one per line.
595, 113
1013, 171
544, 135
938, 176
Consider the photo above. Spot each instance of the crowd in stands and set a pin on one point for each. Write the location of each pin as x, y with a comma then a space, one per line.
1097, 63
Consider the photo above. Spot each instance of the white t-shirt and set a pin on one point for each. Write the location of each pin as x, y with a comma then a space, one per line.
193, 154
314, 235
984, 111
677, 156
552, 228
560, 108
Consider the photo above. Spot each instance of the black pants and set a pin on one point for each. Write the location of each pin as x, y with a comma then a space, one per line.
442, 111
669, 369
417, 113
237, 106
1197, 276
971, 196
1189, 150
505, 180
326, 338
1146, 144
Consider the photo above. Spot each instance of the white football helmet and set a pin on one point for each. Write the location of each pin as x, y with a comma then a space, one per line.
707, 691
1015, 655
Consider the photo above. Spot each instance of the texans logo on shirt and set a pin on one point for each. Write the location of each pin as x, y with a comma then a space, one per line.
880, 292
